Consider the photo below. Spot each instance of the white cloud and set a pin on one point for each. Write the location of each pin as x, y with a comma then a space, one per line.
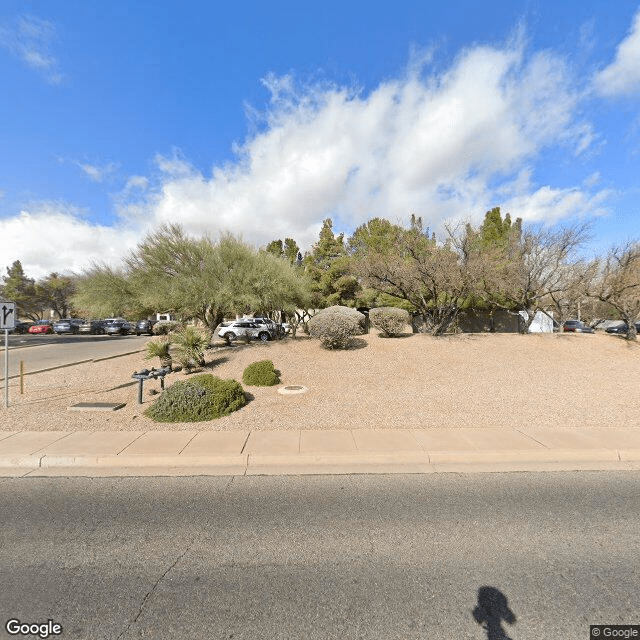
52, 237
442, 145
622, 76
97, 173
30, 40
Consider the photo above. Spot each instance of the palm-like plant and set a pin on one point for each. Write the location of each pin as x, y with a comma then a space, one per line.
160, 348
190, 344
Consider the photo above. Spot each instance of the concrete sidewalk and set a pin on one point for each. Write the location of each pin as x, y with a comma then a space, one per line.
174, 453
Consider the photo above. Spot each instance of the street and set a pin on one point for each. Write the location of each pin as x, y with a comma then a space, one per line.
491, 556
44, 351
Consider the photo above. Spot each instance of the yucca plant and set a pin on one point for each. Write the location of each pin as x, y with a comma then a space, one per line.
190, 344
160, 348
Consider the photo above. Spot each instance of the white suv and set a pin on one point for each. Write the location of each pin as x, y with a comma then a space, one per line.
243, 328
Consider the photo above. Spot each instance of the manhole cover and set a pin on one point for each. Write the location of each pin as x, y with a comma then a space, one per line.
292, 389
97, 406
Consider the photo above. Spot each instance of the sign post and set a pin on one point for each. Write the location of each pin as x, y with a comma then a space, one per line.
7, 321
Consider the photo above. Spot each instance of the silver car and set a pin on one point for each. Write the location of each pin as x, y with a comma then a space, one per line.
245, 328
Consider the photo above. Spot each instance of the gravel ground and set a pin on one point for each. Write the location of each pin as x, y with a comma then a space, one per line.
416, 381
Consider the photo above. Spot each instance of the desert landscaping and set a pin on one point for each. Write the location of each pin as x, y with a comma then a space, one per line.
415, 381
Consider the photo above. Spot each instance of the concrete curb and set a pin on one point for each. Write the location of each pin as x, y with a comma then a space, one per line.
322, 464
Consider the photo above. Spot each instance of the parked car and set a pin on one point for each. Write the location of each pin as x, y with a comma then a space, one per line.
118, 327
94, 327
22, 327
244, 328
145, 326
42, 326
576, 326
277, 328
622, 328
67, 325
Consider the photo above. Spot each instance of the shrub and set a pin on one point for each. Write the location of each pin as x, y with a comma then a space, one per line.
336, 326
203, 397
260, 374
165, 327
190, 343
160, 349
390, 320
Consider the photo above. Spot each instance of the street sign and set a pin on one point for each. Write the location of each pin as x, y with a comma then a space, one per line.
7, 315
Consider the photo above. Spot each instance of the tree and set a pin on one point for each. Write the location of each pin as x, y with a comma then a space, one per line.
194, 278
18, 288
525, 270
329, 267
55, 291
410, 265
615, 281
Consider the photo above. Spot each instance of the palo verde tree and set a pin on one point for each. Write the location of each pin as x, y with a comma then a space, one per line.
194, 278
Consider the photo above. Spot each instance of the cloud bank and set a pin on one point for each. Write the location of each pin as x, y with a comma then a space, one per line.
622, 76
442, 144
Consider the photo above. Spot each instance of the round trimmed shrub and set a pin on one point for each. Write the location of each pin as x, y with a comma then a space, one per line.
260, 374
392, 321
336, 326
203, 397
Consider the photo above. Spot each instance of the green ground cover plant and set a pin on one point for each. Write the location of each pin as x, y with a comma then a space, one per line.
203, 397
261, 374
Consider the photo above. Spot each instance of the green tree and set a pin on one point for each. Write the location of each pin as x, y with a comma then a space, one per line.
330, 268
56, 292
18, 288
194, 278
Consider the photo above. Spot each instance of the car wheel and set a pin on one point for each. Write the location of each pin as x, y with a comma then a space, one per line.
137, 333
264, 336
230, 336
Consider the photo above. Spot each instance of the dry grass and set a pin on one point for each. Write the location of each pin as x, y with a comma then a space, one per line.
468, 380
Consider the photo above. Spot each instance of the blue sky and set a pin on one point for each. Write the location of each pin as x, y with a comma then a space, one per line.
265, 118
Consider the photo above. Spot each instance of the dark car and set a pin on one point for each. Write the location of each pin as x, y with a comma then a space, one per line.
67, 325
117, 328
21, 327
95, 327
145, 326
622, 328
576, 326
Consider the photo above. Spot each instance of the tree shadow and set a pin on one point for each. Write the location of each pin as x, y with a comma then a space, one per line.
216, 362
396, 335
491, 610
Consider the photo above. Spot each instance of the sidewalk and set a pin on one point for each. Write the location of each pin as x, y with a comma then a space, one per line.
177, 453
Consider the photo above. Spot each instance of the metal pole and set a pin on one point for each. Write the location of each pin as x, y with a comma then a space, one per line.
6, 368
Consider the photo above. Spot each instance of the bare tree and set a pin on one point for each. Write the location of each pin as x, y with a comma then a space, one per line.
616, 281
537, 267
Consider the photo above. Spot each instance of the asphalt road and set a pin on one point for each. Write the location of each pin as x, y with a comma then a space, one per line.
44, 351
491, 556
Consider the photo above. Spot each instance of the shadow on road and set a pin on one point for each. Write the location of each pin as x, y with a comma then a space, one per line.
491, 610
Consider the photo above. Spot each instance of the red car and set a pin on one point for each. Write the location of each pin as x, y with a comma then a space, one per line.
42, 326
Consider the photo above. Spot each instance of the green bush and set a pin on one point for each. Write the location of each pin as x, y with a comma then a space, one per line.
392, 321
165, 327
203, 397
260, 374
336, 326
189, 345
